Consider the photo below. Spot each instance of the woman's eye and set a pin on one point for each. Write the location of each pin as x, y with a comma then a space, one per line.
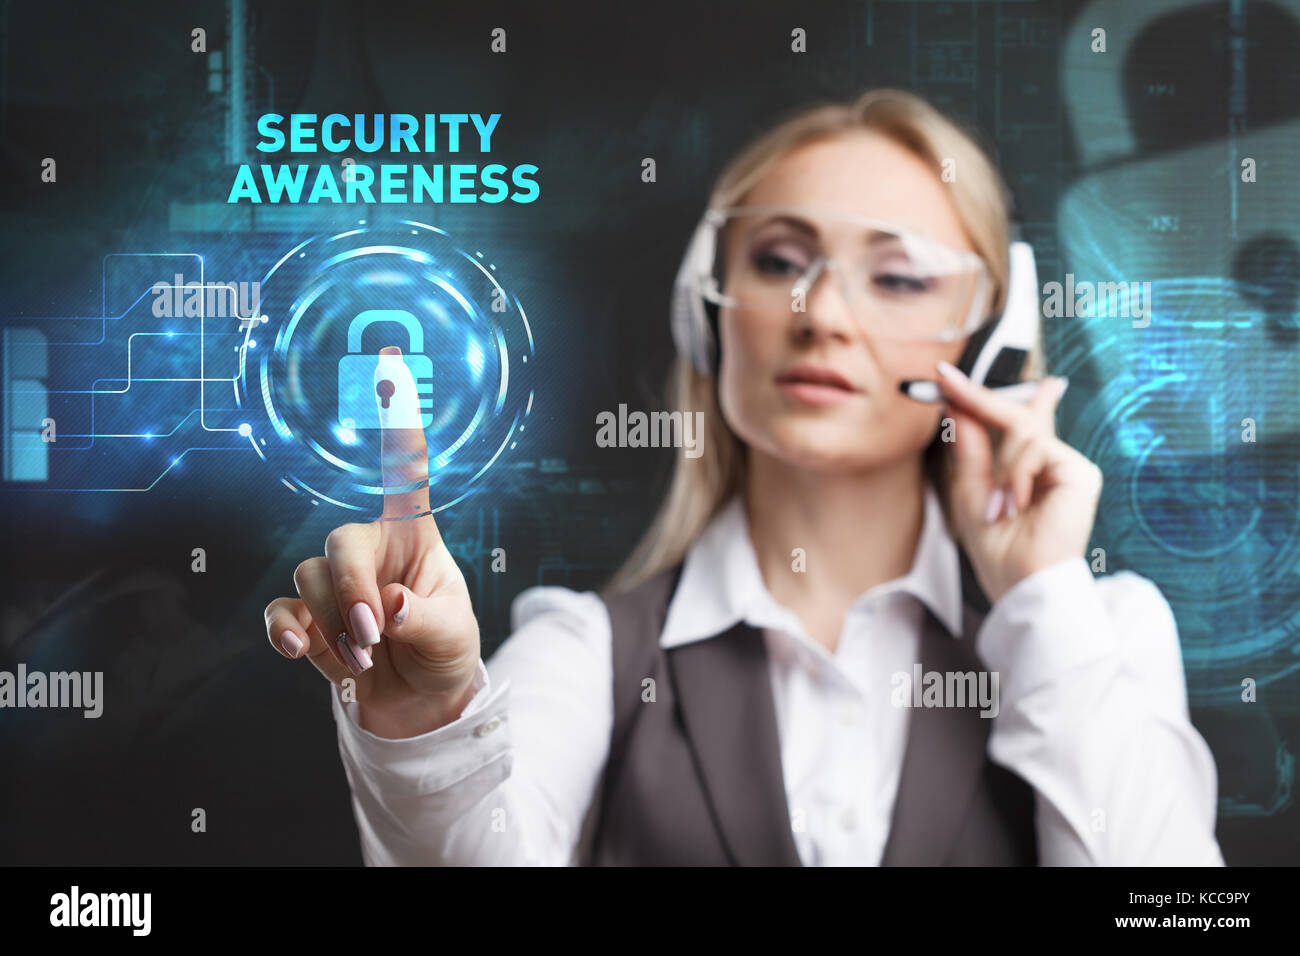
895, 282
775, 264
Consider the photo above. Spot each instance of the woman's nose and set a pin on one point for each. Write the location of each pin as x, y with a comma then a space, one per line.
821, 307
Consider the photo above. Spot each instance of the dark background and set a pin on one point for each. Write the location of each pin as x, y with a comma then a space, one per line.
200, 712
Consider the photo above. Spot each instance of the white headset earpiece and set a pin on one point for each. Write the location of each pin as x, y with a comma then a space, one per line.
1015, 334
690, 323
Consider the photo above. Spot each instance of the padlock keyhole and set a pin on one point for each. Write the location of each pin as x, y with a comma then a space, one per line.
385, 388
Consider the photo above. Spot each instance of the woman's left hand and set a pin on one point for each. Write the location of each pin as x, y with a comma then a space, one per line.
1030, 505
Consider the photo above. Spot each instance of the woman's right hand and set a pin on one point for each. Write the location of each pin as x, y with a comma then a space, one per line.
392, 577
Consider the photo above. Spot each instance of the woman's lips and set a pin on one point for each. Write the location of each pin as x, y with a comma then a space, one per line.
814, 385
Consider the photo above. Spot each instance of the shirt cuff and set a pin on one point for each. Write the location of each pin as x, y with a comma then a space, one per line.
435, 760
1048, 624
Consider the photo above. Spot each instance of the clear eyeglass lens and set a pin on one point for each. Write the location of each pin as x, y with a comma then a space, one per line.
899, 284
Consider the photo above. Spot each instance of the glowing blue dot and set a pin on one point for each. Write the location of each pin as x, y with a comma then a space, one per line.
245, 429
525, 358
361, 222
252, 343
170, 334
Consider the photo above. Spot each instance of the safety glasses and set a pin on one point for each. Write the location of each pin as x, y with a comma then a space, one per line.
896, 282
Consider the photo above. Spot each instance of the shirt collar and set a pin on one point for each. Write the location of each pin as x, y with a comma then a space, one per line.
721, 582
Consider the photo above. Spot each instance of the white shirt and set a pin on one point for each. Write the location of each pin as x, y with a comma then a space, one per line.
1092, 713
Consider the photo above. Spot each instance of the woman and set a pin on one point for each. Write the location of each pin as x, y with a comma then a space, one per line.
757, 688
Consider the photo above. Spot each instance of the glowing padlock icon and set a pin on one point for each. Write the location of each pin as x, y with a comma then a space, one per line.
368, 381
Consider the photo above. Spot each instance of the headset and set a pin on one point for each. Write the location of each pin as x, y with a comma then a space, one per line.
994, 355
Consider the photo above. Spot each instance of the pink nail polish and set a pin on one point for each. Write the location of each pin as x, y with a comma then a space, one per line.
364, 625
402, 610
357, 658
1010, 501
996, 497
289, 641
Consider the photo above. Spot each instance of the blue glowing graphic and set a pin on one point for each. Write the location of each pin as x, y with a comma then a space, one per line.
1214, 520
332, 303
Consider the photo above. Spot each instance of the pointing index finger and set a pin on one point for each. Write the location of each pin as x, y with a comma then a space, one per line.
404, 451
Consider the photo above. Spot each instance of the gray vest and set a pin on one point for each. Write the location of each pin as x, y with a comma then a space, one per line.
695, 779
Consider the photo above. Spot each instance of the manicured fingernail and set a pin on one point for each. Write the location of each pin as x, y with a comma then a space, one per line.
951, 372
1010, 501
289, 641
1065, 383
364, 625
402, 610
994, 505
357, 658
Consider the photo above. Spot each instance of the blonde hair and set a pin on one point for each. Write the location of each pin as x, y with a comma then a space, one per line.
700, 487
